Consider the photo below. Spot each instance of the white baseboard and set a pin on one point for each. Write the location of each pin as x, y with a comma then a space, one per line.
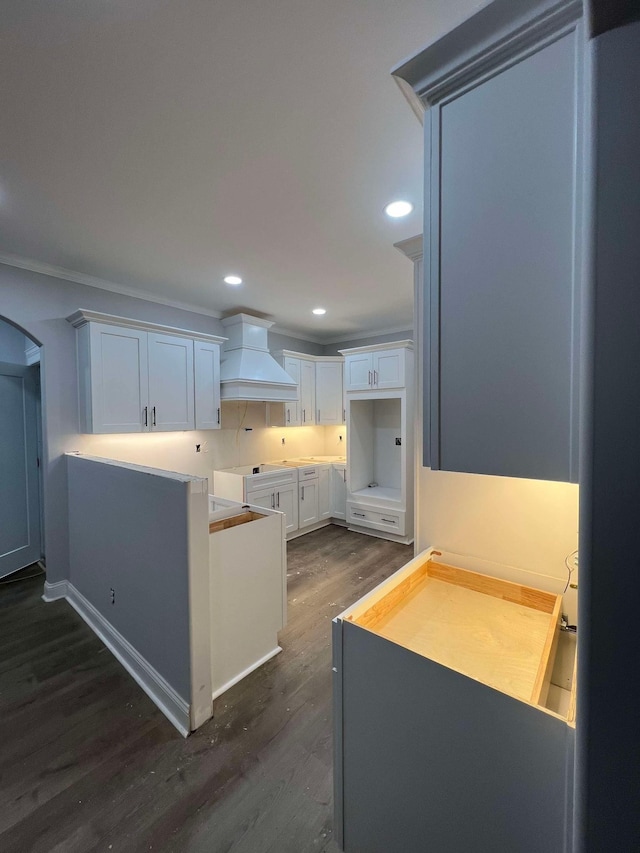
54, 591
220, 690
173, 706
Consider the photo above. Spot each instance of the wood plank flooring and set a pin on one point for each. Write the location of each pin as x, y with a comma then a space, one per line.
87, 763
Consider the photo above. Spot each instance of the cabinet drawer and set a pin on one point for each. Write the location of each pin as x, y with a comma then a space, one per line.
310, 472
378, 519
255, 482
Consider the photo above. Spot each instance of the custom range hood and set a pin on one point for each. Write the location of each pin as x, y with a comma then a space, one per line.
248, 371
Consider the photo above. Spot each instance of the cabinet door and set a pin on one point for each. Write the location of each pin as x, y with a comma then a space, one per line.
308, 503
262, 497
286, 500
339, 492
171, 383
505, 270
329, 408
358, 372
307, 392
292, 410
207, 385
324, 491
388, 368
118, 379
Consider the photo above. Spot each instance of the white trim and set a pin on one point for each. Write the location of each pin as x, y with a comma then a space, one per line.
83, 316
173, 706
32, 355
245, 672
357, 336
54, 271
55, 591
300, 336
405, 344
411, 248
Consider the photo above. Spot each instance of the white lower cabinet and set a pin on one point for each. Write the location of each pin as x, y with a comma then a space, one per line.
391, 521
324, 491
308, 505
261, 485
338, 487
287, 502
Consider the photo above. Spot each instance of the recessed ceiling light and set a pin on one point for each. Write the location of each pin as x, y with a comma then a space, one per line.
232, 279
396, 209
319, 311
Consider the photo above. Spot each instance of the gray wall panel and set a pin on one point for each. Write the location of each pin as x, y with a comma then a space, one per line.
128, 532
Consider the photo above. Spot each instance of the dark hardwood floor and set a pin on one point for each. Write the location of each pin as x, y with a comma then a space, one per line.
88, 763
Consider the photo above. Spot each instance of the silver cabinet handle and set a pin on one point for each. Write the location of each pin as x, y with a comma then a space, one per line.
288, 416
218, 414
375, 377
344, 416
359, 514
146, 415
389, 520
344, 476
273, 501
370, 378
278, 500
302, 494
154, 416
304, 416
318, 415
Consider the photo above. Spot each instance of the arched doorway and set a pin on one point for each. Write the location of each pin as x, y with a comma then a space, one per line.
21, 519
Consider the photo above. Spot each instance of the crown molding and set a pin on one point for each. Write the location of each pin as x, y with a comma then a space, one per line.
54, 271
358, 336
411, 248
496, 34
299, 336
83, 316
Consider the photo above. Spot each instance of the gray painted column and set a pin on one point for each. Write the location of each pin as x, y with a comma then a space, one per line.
608, 740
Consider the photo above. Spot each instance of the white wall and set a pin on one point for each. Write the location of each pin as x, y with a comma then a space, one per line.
13, 344
520, 529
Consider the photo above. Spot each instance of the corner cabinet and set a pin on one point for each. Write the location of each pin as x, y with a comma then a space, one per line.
136, 377
379, 412
320, 391
504, 168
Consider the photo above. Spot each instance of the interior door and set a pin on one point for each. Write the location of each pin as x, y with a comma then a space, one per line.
19, 495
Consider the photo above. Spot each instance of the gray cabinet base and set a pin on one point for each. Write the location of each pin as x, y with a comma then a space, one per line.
430, 761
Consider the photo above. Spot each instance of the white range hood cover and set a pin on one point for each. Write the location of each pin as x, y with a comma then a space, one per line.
248, 371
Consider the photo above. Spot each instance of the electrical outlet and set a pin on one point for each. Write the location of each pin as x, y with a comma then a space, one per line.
197, 448
340, 437
113, 595
283, 440
398, 441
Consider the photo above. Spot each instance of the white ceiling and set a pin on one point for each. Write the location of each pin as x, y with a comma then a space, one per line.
161, 144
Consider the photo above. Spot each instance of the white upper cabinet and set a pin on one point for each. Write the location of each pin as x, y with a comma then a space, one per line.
113, 367
207, 384
320, 391
307, 392
329, 396
292, 409
171, 383
375, 367
137, 377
